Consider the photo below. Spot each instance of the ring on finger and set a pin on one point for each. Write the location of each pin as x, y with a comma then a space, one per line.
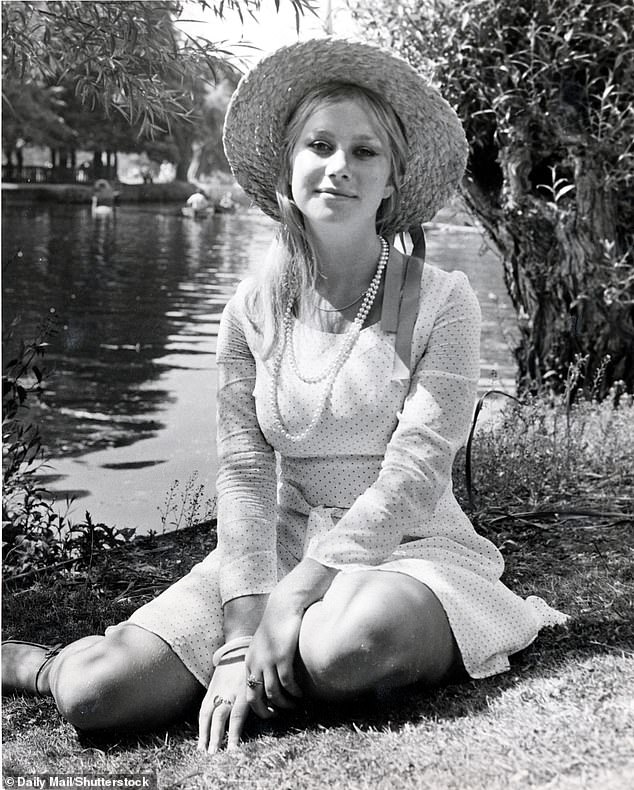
252, 682
218, 701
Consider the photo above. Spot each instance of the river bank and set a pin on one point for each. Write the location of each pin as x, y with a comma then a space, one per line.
172, 192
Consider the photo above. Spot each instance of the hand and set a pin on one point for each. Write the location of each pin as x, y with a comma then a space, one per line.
270, 660
271, 656
224, 708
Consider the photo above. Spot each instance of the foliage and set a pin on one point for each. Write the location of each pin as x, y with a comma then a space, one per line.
187, 506
35, 535
31, 113
23, 375
545, 90
121, 76
546, 456
125, 56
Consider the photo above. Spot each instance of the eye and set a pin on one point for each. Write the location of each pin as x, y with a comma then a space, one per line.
320, 146
363, 152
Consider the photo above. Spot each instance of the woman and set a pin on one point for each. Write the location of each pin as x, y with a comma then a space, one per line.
346, 384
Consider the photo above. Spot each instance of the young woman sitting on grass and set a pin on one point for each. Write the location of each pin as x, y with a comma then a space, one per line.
347, 377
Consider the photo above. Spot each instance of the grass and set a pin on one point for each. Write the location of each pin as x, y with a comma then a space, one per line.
553, 489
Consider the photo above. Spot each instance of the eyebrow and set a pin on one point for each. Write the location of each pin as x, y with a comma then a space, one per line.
361, 138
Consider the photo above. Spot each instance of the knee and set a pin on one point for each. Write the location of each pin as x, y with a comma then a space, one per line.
85, 688
345, 649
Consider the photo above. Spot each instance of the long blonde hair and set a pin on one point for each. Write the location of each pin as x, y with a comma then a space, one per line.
290, 269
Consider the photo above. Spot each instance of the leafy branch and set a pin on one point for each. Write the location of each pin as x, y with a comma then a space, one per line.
125, 57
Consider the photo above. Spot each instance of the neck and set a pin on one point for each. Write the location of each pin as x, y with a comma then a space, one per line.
345, 262
346, 268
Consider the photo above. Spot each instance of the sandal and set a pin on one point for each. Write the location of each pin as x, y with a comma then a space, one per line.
50, 652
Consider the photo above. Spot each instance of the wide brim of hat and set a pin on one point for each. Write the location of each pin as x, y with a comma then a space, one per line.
268, 94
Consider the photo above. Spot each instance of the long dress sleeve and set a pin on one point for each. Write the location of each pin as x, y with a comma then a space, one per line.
432, 425
246, 482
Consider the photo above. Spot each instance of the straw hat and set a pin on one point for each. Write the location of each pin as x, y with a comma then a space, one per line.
267, 95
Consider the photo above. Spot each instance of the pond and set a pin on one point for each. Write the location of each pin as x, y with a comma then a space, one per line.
134, 303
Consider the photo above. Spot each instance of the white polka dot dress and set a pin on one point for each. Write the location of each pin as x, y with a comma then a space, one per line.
369, 487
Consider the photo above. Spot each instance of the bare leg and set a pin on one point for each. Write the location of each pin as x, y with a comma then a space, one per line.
128, 679
375, 629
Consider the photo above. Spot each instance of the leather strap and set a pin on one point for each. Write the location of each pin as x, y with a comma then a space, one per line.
400, 301
394, 276
419, 249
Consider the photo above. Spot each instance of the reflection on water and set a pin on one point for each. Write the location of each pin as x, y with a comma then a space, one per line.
137, 298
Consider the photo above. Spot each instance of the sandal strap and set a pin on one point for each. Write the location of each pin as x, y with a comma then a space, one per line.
51, 652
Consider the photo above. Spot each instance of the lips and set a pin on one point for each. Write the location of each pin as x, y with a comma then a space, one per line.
335, 193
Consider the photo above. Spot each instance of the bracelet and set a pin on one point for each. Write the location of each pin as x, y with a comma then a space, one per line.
233, 657
235, 644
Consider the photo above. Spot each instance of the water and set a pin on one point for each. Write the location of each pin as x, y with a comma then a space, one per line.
136, 300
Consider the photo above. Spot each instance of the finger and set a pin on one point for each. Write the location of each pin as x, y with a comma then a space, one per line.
275, 692
286, 674
218, 727
261, 707
237, 720
204, 722
254, 686
256, 699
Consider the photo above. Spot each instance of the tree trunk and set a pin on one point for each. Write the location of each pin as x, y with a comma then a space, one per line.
193, 169
558, 260
97, 164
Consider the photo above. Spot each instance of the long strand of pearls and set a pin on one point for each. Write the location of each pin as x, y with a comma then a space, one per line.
330, 373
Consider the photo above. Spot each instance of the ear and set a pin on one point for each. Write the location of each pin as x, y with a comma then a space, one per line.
388, 191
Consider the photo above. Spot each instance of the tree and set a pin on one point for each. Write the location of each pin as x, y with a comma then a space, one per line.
126, 57
545, 91
32, 114
196, 146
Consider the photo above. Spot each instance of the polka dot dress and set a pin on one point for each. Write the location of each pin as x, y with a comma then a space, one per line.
369, 487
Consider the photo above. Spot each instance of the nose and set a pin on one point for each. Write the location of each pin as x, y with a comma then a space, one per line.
338, 166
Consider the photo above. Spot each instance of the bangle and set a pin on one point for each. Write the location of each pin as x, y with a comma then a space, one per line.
234, 644
233, 657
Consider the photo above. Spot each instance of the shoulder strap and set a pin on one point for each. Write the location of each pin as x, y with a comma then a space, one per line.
419, 249
400, 302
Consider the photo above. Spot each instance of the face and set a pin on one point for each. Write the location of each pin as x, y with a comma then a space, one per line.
340, 166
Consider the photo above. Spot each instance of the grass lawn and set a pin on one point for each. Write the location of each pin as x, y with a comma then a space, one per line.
561, 718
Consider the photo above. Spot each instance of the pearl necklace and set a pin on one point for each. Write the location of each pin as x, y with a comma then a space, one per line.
330, 373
